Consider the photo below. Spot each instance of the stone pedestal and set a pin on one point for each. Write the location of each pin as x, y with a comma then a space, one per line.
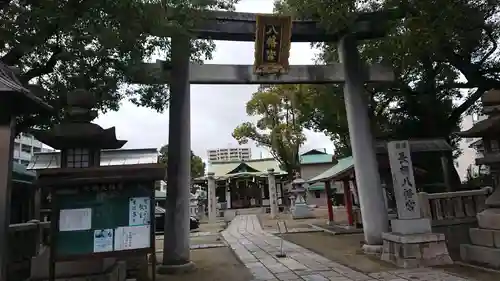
412, 244
411, 226
301, 211
485, 240
415, 250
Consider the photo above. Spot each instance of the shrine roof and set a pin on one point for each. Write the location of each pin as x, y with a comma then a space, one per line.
112, 157
315, 158
491, 125
343, 165
20, 98
223, 168
21, 175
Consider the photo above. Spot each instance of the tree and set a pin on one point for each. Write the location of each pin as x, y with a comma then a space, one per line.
463, 37
91, 44
197, 164
278, 129
429, 50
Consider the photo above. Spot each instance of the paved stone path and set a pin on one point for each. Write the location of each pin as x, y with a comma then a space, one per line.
257, 249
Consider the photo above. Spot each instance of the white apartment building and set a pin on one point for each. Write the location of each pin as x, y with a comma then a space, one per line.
229, 154
471, 148
25, 145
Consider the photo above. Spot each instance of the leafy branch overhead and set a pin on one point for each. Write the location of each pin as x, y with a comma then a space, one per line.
278, 128
460, 40
444, 59
91, 44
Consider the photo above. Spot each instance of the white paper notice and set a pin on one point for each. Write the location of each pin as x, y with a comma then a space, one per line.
139, 213
75, 219
132, 237
103, 240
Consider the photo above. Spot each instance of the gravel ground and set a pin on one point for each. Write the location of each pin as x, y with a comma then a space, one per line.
215, 264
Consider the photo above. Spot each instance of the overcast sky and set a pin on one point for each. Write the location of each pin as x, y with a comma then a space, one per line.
215, 109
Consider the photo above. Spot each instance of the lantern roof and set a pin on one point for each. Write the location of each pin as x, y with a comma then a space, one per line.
76, 130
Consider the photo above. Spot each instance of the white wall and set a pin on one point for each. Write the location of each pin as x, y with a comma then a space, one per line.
468, 156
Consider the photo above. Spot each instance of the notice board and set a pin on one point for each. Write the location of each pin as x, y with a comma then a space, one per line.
103, 219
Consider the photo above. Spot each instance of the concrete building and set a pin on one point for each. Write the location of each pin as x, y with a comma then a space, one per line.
471, 148
25, 146
229, 154
313, 163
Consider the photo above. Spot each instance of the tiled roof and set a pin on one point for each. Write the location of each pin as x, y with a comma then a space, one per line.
315, 159
21, 174
111, 157
221, 169
343, 165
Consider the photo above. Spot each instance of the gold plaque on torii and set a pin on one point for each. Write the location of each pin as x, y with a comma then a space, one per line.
272, 44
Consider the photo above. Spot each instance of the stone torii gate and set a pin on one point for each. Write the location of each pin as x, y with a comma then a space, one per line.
231, 26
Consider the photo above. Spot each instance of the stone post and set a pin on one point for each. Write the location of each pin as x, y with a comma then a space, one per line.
176, 250
371, 197
228, 196
273, 202
212, 200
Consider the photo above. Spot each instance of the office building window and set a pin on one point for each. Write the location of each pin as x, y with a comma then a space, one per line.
26, 148
78, 158
36, 149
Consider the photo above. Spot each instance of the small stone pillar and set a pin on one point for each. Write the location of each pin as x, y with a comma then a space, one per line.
212, 199
273, 200
228, 196
411, 242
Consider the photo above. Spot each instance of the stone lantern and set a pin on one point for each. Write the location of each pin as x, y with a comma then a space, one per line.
300, 208
485, 240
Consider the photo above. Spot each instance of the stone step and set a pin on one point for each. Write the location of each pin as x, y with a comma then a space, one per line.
480, 255
485, 237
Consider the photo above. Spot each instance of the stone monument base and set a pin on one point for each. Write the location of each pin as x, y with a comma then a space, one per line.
411, 226
301, 211
485, 240
415, 250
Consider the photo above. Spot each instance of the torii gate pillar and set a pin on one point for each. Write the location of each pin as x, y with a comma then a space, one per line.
371, 197
176, 250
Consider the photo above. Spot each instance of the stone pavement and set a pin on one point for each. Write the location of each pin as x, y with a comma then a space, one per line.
257, 249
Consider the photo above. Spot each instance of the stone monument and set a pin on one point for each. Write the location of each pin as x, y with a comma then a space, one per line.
273, 198
485, 247
411, 242
212, 198
300, 208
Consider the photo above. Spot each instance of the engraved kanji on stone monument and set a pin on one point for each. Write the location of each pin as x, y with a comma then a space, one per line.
403, 180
